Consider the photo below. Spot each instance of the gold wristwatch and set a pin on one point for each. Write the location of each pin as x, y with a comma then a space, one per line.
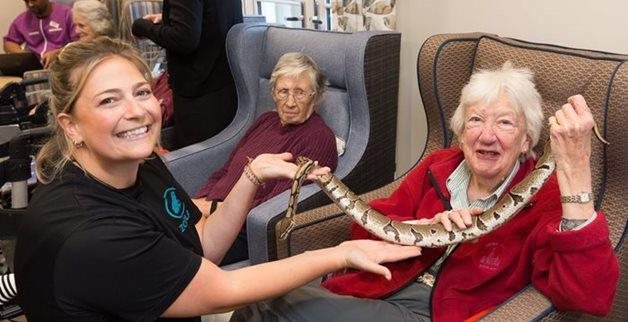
582, 197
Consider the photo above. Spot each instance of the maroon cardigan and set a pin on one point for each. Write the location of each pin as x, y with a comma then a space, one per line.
577, 270
312, 138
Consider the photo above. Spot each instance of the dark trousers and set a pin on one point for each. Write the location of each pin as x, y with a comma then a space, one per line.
312, 303
199, 118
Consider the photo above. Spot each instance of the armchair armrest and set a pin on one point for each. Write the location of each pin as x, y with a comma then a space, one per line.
529, 304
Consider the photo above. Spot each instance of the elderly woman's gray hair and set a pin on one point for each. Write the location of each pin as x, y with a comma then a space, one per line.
292, 65
97, 15
486, 86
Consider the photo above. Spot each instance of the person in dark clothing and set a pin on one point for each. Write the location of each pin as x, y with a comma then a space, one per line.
193, 32
111, 236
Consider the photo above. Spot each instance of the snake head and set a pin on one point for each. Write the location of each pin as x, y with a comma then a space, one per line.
301, 160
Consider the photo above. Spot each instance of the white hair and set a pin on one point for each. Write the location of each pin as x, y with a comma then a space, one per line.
97, 15
487, 86
295, 63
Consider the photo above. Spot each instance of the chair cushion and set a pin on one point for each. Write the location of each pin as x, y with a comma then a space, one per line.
315, 44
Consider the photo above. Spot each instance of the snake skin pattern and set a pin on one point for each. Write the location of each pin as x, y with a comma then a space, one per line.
434, 235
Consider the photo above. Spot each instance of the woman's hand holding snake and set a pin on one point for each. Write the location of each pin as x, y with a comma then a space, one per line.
570, 135
279, 166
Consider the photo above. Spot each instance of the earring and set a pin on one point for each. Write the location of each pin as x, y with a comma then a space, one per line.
78, 145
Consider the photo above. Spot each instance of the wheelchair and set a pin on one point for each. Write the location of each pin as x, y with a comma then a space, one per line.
24, 127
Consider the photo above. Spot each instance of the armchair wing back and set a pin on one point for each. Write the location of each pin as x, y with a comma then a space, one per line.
359, 105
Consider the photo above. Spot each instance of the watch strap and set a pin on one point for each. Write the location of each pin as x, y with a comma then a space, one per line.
582, 197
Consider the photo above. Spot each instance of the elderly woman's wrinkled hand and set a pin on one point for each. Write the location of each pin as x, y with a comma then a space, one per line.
277, 166
570, 134
460, 217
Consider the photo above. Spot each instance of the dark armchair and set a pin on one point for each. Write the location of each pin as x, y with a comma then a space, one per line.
445, 63
359, 104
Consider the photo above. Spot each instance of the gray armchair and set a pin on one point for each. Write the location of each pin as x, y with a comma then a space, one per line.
360, 105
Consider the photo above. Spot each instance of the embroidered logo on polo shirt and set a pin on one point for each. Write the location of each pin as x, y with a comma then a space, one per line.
54, 26
175, 208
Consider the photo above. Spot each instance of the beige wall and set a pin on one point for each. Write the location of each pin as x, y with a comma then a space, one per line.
600, 25
9, 9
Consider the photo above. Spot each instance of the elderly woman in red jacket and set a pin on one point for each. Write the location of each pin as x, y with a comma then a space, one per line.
558, 242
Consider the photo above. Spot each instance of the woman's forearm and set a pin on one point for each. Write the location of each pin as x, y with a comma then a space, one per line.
574, 180
268, 280
250, 284
11, 47
222, 227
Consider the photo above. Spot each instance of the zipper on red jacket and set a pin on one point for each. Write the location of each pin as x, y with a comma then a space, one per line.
439, 193
412, 280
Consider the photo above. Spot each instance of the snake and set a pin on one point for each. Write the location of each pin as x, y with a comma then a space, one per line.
428, 235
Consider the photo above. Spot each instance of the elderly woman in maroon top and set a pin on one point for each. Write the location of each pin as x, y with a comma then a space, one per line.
293, 126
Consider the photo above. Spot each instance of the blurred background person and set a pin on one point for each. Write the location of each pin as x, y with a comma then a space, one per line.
91, 19
43, 29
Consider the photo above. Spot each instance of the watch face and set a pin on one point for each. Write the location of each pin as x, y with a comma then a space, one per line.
584, 197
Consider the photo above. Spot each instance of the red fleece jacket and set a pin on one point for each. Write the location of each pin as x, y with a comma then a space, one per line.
577, 270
